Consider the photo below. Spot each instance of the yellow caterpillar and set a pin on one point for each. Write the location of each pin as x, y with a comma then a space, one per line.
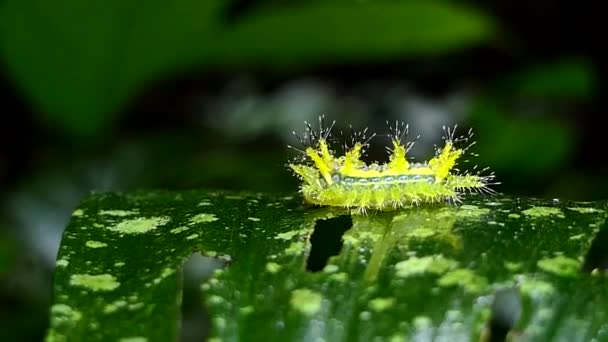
346, 181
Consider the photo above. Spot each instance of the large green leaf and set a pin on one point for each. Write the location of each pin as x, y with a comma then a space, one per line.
81, 61
563, 80
423, 273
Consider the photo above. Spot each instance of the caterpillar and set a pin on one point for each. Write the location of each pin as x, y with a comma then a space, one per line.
329, 179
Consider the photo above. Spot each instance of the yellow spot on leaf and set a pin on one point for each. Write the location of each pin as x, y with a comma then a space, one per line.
95, 282
167, 272
436, 264
422, 322
586, 210
140, 225
471, 211
534, 288
95, 244
542, 211
114, 306
295, 248
465, 278
62, 263
202, 218
178, 230
118, 212
133, 339
381, 304
288, 235
339, 277
62, 314
330, 268
273, 267
246, 310
577, 236
214, 299
513, 266
560, 265
306, 301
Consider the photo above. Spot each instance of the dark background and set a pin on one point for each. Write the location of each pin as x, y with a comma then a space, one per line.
122, 95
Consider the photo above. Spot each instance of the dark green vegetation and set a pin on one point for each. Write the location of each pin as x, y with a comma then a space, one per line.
82, 76
482, 268
119, 95
107, 58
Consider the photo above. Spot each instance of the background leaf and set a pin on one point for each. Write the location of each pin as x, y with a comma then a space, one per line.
423, 273
81, 63
566, 79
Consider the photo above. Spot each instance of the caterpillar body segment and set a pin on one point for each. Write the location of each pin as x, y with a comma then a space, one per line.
347, 181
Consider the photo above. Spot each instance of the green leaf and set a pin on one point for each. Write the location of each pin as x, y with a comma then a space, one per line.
419, 273
81, 62
513, 145
343, 31
8, 253
514, 109
562, 80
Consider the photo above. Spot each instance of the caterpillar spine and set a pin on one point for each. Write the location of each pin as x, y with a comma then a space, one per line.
346, 181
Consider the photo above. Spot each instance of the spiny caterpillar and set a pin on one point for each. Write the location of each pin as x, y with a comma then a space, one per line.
346, 181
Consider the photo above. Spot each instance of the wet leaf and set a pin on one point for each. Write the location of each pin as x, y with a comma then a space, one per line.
489, 266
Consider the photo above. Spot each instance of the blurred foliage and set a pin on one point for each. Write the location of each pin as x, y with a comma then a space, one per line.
569, 79
8, 252
525, 132
24, 295
81, 62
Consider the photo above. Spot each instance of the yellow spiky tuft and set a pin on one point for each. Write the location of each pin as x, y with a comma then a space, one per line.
346, 181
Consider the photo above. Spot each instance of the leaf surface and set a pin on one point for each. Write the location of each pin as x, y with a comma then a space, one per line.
427, 273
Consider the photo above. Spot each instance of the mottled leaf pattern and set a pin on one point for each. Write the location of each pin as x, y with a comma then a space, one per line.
423, 273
